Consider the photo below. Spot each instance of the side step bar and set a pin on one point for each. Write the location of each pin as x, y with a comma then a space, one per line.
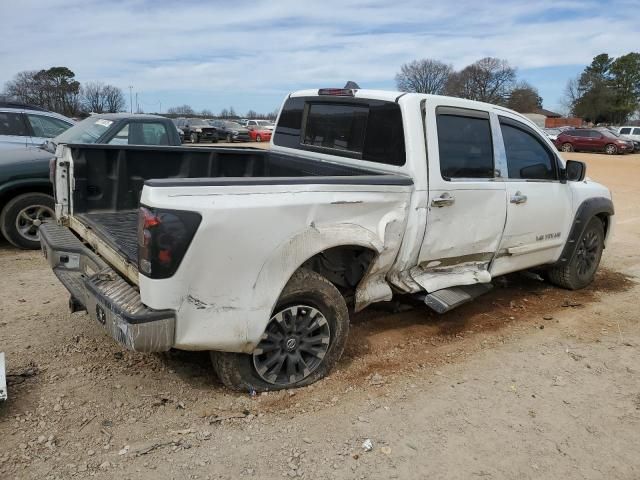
449, 298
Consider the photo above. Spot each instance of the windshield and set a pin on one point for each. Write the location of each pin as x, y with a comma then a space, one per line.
232, 125
263, 123
610, 134
553, 131
197, 121
88, 130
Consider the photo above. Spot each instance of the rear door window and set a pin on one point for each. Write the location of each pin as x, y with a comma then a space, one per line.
625, 131
12, 123
636, 131
465, 144
47, 127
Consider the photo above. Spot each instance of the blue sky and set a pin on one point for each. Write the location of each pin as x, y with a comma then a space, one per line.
250, 53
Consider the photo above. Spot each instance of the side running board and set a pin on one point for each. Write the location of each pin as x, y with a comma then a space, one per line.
449, 298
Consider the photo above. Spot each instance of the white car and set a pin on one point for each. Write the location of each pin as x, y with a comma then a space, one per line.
25, 125
260, 123
252, 254
633, 134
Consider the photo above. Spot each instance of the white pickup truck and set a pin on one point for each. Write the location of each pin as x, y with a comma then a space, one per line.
255, 254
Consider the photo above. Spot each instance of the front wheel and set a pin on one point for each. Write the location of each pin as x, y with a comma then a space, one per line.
194, 138
23, 215
229, 138
579, 271
611, 149
304, 339
258, 138
567, 147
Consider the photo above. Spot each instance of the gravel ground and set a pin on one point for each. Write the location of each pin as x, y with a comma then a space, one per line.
529, 381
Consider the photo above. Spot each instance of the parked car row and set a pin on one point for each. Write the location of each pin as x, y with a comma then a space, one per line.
198, 130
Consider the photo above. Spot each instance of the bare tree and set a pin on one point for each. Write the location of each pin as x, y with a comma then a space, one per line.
252, 114
224, 113
93, 99
114, 99
571, 95
206, 113
424, 76
181, 110
98, 98
232, 113
487, 80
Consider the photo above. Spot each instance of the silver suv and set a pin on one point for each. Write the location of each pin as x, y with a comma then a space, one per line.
24, 125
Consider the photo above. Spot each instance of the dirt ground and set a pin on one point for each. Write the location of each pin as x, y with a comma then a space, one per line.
530, 381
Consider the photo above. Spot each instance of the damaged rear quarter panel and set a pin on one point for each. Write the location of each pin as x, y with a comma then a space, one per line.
251, 241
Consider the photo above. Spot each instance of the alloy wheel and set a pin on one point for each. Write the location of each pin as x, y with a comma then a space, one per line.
29, 220
293, 346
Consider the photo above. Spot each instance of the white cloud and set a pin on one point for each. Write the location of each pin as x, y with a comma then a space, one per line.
266, 48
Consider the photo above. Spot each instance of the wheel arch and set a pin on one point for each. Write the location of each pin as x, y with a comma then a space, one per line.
13, 189
597, 207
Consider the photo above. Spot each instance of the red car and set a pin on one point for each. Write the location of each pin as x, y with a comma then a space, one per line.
259, 134
592, 140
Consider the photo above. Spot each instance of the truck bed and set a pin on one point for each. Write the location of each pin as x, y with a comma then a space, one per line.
116, 229
108, 181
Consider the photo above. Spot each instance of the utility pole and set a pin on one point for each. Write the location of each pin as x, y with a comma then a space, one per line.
131, 98
137, 105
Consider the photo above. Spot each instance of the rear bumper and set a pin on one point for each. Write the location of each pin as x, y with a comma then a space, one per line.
105, 295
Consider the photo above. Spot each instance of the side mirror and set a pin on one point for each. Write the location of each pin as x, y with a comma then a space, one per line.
575, 171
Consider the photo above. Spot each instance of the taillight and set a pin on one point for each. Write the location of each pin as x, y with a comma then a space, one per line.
163, 239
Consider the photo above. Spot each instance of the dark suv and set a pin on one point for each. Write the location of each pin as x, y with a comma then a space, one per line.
592, 140
197, 129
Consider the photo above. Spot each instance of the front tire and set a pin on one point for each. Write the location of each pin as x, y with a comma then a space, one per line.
580, 270
229, 138
304, 339
567, 147
610, 149
258, 138
23, 215
194, 138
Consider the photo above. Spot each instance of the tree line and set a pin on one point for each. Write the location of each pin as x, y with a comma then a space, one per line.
56, 89
226, 113
607, 91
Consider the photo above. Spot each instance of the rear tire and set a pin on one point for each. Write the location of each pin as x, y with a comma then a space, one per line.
610, 149
580, 270
297, 348
22, 216
567, 147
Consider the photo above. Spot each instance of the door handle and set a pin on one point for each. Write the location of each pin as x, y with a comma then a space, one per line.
443, 200
518, 198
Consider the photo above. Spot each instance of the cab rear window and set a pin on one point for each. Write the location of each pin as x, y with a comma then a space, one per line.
367, 130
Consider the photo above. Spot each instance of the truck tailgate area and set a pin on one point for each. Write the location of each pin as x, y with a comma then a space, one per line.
116, 229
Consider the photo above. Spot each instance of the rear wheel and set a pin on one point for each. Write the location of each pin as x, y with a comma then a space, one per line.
304, 339
567, 147
610, 149
580, 270
23, 215
194, 137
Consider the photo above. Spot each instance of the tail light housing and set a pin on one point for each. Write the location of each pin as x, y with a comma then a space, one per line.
163, 239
